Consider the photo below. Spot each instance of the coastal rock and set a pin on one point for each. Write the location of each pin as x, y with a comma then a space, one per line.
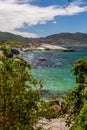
1, 63
45, 93
1, 53
56, 108
48, 47
53, 124
17, 60
15, 51
10, 54
42, 59
45, 60
69, 50
52, 47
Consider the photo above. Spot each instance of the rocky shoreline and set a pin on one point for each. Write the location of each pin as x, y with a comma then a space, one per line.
48, 47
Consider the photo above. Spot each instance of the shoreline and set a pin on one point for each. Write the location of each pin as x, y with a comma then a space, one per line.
75, 45
47, 94
48, 47
51, 47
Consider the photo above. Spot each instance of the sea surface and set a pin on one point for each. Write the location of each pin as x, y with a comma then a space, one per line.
54, 68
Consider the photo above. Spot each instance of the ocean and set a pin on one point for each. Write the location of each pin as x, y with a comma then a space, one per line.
54, 68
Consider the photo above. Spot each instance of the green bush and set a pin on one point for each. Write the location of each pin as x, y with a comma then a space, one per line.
76, 101
18, 101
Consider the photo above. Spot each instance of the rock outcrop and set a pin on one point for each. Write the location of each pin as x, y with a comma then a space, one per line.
1, 53
15, 51
53, 124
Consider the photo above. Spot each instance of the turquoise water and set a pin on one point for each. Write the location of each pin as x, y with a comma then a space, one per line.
55, 71
56, 80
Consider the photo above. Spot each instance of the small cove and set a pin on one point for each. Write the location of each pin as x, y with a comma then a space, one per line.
55, 70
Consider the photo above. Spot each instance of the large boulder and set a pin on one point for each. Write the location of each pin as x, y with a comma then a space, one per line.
42, 59
1, 53
10, 54
1, 63
15, 51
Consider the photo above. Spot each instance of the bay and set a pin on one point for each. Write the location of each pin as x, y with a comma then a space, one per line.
55, 68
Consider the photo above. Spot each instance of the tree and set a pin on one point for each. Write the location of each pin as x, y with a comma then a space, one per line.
18, 101
76, 101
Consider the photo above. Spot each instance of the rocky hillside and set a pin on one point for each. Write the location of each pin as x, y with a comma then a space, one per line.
57, 39
12, 37
68, 38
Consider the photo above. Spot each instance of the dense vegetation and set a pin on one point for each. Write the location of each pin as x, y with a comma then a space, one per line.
20, 104
11, 43
76, 101
5, 36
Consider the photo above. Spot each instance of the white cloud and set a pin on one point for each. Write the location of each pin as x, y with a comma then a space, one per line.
25, 34
13, 15
54, 22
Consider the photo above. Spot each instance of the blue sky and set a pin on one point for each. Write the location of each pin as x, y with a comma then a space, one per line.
40, 18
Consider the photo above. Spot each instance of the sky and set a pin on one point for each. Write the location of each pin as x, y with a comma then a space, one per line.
41, 18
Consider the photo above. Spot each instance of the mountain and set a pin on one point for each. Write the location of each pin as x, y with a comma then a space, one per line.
12, 37
69, 38
57, 39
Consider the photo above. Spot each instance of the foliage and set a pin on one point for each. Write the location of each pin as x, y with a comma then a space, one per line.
5, 49
49, 109
76, 102
11, 43
20, 105
18, 101
79, 69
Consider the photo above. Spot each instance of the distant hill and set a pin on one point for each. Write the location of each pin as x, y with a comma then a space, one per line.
12, 37
69, 38
57, 39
